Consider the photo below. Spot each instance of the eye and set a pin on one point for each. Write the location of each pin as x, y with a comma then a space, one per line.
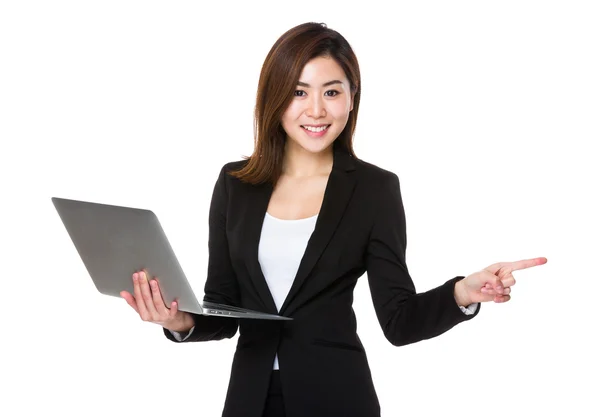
332, 91
298, 91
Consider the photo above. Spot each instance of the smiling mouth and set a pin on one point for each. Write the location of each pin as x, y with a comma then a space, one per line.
315, 129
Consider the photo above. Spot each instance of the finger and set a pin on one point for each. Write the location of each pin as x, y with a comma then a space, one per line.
137, 293
147, 295
526, 263
501, 298
493, 282
488, 294
508, 281
159, 303
173, 310
130, 300
493, 287
493, 269
514, 266
492, 294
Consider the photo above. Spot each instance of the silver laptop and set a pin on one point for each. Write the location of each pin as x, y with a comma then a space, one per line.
114, 242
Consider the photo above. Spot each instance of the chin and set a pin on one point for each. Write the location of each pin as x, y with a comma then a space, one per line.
314, 147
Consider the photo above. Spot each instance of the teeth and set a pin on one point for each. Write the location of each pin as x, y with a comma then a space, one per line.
315, 129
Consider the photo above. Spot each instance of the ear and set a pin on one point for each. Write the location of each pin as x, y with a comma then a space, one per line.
352, 102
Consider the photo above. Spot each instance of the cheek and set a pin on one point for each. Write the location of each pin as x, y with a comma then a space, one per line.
293, 112
340, 111
341, 116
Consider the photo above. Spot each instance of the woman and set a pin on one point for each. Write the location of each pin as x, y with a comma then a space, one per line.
292, 228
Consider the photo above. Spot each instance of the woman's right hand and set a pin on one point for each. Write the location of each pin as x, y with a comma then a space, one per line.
147, 301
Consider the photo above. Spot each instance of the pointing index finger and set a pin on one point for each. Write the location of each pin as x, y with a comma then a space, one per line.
527, 263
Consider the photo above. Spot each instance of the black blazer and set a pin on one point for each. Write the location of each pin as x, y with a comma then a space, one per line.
323, 365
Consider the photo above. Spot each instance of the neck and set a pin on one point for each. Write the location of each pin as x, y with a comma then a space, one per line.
297, 162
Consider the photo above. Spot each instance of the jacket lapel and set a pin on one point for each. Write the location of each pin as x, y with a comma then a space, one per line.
258, 202
337, 195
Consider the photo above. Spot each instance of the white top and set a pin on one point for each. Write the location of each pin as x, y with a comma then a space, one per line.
281, 248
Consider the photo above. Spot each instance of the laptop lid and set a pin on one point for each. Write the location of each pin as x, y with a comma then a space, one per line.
115, 241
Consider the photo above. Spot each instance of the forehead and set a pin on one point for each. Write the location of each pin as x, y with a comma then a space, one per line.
321, 70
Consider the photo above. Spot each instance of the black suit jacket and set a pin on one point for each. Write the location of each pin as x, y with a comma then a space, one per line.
323, 365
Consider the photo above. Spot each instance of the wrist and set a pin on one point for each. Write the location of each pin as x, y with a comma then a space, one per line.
461, 294
184, 325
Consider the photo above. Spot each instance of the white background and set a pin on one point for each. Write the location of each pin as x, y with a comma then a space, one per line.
487, 111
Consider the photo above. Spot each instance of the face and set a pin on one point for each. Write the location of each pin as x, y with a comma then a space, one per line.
320, 108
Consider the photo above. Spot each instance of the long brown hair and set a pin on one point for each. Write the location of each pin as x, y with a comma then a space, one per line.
278, 81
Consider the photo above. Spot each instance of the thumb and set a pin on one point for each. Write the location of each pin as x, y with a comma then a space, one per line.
493, 282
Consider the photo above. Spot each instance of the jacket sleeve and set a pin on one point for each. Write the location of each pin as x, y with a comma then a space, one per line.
221, 285
405, 316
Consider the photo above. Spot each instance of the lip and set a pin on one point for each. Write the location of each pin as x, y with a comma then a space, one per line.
316, 134
323, 124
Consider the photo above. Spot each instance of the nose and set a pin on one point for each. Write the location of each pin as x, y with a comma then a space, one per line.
316, 107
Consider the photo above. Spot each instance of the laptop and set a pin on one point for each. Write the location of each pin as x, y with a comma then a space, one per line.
114, 242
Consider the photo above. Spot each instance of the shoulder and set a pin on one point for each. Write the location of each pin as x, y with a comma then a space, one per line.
378, 191
377, 185
229, 167
373, 175
233, 166
224, 180
368, 174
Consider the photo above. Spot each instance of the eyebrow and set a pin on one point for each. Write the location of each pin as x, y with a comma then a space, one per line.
327, 84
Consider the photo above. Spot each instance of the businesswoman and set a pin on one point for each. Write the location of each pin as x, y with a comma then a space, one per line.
292, 229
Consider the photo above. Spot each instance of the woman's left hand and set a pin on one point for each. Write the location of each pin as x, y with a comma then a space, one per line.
492, 283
